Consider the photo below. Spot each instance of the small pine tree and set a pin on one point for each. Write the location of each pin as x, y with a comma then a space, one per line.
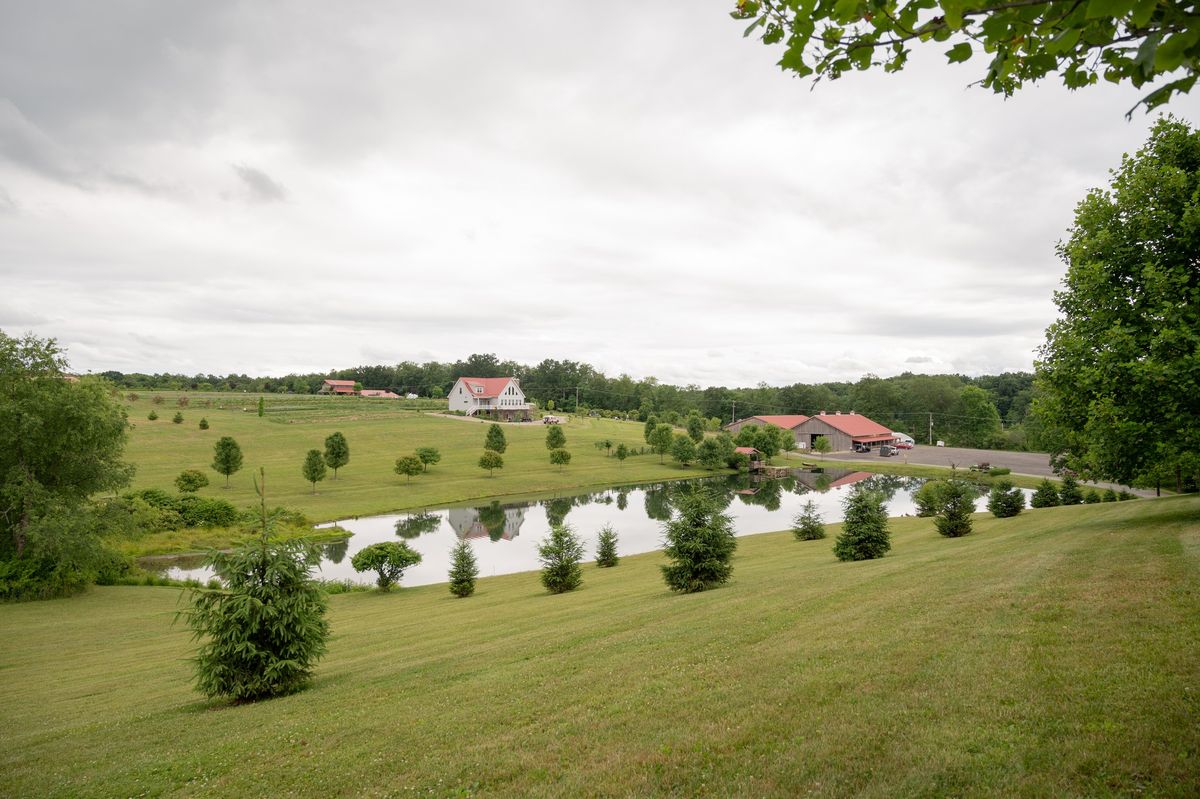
495, 440
808, 524
1068, 492
388, 560
958, 503
313, 468
606, 547
261, 407
700, 542
203, 423
560, 554
1109, 495
1005, 501
152, 416
1091, 496
1125, 496
177, 418
1046, 495
463, 569
864, 533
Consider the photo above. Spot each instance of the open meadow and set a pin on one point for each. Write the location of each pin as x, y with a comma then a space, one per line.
1052, 654
378, 432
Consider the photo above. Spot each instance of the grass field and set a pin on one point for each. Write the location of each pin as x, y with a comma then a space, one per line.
378, 431
1054, 654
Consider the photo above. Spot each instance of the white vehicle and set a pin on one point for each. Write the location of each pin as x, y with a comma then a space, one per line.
904, 439
551, 420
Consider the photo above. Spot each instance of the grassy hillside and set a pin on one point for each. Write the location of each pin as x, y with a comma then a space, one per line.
1054, 654
378, 431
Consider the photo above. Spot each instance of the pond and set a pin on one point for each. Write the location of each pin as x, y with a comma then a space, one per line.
505, 536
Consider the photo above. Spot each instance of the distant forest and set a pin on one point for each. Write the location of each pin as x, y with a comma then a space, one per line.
989, 411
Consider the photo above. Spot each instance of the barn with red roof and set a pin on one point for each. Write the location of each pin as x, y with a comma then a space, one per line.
843, 430
337, 387
498, 397
787, 422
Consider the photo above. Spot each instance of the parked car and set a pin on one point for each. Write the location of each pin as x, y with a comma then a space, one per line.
861, 448
886, 451
903, 445
551, 420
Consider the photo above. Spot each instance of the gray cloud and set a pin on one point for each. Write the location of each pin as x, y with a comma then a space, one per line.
918, 359
7, 204
263, 188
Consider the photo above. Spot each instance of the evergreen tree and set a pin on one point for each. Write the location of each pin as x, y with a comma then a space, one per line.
227, 457
495, 440
1068, 492
864, 533
203, 423
560, 554
606, 547
1046, 495
261, 407
313, 468
700, 544
958, 503
177, 418
808, 524
930, 497
463, 569
153, 415
1004, 500
1092, 496
337, 452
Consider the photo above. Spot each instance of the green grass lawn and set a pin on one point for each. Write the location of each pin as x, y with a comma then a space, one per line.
1054, 654
378, 431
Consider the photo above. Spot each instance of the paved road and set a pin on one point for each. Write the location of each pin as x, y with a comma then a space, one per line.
1031, 463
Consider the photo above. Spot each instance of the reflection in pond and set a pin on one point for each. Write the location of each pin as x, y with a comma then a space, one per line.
505, 536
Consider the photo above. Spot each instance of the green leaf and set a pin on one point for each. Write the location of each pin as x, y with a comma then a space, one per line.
1172, 51
1098, 9
953, 11
959, 52
1142, 12
845, 10
1064, 41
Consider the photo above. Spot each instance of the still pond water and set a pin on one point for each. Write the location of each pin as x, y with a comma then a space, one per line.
505, 536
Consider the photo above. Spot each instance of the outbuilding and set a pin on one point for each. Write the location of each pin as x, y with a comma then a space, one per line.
843, 431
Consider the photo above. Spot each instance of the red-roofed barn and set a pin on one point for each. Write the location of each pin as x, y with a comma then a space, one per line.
787, 422
337, 387
843, 430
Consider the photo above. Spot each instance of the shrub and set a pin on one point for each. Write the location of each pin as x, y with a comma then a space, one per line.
197, 511
999, 471
203, 423
1069, 493
1046, 495
1125, 495
1109, 495
560, 554
864, 533
1005, 501
190, 481
155, 497
264, 632
463, 570
958, 503
1091, 496
929, 498
808, 524
700, 542
152, 416
182, 402
177, 418
158, 400
388, 560
606, 547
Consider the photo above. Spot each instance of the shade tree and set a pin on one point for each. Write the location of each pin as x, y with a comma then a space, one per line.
388, 559
337, 452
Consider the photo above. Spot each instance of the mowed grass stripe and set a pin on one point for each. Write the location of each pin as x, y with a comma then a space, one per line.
1051, 654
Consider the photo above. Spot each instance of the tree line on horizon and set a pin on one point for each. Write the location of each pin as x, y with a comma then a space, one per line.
987, 411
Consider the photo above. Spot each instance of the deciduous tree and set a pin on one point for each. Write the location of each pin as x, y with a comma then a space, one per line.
190, 481
387, 559
491, 461
661, 440
409, 466
495, 440
555, 437
683, 450
313, 468
227, 457
560, 458
430, 456
337, 452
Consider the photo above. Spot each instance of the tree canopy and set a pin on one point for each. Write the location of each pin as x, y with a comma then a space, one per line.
1118, 378
1134, 41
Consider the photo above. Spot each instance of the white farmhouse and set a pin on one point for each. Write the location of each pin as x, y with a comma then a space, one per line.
500, 397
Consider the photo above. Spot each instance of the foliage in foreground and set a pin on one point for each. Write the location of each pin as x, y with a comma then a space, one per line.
1005, 501
700, 544
463, 569
864, 533
1045, 496
958, 503
265, 630
560, 554
387, 559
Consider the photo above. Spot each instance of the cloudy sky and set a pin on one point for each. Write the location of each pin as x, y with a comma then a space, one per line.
275, 187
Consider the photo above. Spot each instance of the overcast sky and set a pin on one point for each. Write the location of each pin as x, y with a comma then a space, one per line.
276, 187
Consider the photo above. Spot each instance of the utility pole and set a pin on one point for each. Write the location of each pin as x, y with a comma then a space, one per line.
576, 399
931, 429
733, 411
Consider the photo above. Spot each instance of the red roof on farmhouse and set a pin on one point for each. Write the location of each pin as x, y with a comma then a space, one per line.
492, 386
855, 424
787, 422
340, 383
